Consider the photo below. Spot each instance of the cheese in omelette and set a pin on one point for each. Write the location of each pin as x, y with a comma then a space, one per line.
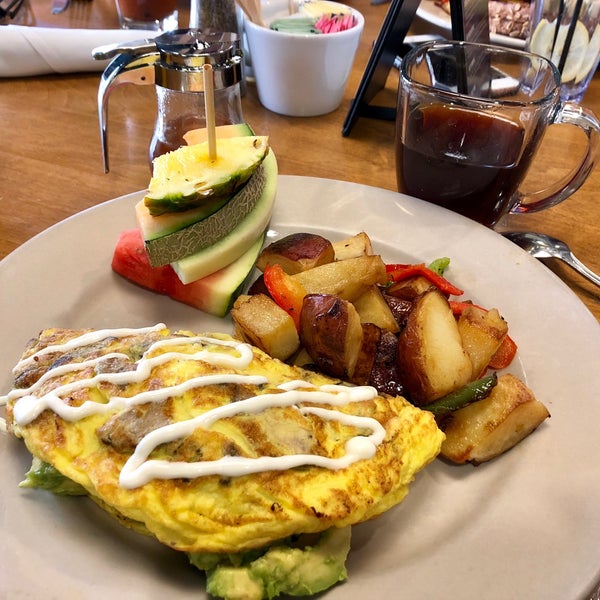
209, 444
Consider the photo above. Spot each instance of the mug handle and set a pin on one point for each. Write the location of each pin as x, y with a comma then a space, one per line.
586, 120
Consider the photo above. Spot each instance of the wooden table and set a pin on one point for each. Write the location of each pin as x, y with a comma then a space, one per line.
51, 165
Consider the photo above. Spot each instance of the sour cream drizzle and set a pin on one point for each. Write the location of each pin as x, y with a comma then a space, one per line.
29, 407
139, 469
85, 340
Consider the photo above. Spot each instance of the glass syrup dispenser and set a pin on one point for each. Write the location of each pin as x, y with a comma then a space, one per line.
174, 63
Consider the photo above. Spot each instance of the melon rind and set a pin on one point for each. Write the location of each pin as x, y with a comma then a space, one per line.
237, 242
219, 290
200, 135
203, 234
153, 227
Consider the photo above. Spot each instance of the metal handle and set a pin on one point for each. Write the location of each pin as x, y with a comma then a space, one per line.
134, 48
586, 120
174, 60
136, 68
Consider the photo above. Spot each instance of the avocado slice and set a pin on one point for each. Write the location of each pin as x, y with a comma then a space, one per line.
188, 178
282, 569
45, 477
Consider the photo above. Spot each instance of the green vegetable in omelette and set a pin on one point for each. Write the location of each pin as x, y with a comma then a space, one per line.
44, 476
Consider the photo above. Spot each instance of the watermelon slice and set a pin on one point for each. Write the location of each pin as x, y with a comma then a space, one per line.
213, 294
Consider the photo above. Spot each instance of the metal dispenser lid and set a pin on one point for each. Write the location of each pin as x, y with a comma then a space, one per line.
184, 52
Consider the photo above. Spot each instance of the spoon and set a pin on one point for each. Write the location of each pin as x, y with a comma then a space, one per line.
540, 245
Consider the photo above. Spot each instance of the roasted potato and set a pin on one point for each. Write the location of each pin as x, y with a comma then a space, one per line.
258, 287
331, 333
366, 355
302, 359
372, 308
297, 252
399, 307
411, 288
431, 359
263, 323
357, 245
347, 279
385, 376
482, 333
402, 338
489, 427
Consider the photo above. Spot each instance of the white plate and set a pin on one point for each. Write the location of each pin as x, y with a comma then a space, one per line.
430, 12
524, 526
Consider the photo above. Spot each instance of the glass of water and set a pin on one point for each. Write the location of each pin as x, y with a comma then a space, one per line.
568, 33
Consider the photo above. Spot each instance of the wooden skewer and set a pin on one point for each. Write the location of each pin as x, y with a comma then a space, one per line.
209, 108
252, 10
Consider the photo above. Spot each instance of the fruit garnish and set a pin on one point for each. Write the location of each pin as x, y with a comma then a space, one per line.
582, 52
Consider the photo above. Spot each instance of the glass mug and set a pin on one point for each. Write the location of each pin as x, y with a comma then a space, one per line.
469, 121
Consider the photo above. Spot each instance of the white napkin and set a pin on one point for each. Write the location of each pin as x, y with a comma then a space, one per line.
26, 51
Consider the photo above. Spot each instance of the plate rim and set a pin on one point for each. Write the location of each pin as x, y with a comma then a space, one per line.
440, 220
435, 15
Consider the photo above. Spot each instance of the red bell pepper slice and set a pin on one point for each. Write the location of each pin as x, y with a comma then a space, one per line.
458, 306
504, 355
285, 291
400, 272
508, 348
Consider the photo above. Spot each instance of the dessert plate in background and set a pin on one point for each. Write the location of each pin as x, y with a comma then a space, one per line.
430, 12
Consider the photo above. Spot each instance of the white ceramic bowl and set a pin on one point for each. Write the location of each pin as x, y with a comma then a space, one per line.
301, 75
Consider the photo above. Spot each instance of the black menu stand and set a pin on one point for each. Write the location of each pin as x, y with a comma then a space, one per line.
390, 45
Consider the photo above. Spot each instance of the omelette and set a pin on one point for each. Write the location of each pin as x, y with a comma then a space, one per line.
207, 443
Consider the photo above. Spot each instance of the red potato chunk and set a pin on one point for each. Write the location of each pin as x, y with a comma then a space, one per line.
297, 252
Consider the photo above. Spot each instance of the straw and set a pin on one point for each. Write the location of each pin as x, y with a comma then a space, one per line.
569, 38
559, 18
209, 107
457, 18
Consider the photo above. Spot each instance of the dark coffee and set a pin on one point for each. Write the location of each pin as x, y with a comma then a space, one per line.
469, 162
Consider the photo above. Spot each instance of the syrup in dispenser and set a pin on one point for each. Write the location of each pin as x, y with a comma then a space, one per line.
174, 63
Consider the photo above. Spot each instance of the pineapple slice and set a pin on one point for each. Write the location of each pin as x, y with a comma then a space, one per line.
187, 177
